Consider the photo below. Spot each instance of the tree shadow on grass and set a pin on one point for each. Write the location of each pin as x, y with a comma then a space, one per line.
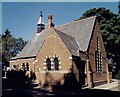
100, 93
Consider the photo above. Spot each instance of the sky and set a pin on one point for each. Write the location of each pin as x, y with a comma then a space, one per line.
59, 0
21, 17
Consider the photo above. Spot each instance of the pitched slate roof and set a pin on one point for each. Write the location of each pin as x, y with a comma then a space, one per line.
32, 47
75, 35
81, 30
69, 42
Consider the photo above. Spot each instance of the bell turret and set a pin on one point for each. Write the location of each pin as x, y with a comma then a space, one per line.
40, 24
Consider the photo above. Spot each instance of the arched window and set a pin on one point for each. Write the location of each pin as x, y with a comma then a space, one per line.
14, 67
98, 61
23, 66
98, 58
48, 63
56, 63
27, 66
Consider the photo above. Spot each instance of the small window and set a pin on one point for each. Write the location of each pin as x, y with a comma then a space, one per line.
14, 67
56, 63
23, 66
48, 63
27, 66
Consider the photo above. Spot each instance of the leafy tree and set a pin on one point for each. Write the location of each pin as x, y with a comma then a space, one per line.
119, 8
10, 46
110, 30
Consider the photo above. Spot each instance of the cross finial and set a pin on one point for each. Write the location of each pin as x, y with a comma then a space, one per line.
41, 13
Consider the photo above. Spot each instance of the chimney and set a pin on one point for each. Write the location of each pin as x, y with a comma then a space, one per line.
50, 24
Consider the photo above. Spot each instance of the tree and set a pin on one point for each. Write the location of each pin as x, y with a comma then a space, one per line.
110, 30
119, 8
11, 46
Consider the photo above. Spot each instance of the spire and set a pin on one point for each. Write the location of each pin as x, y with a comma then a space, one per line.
40, 24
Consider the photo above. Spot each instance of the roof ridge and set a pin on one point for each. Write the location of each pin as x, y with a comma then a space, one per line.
64, 33
67, 38
76, 21
67, 35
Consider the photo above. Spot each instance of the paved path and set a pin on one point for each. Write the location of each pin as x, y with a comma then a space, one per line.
113, 86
